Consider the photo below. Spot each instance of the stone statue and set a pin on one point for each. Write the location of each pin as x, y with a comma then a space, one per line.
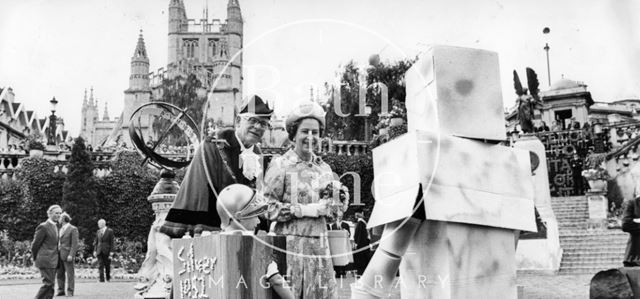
156, 272
528, 100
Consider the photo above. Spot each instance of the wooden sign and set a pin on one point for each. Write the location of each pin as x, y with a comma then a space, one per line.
225, 266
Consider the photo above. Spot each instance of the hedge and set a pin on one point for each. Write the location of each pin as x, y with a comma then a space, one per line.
121, 199
12, 218
41, 187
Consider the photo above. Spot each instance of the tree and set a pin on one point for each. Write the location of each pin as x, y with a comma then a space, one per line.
390, 75
181, 92
79, 195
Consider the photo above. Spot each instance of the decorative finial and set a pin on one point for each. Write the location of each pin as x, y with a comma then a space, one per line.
105, 116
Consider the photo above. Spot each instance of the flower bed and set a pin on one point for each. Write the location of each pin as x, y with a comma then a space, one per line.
19, 273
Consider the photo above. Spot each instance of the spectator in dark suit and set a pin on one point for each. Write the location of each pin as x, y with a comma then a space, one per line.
68, 247
361, 238
545, 128
631, 225
45, 251
102, 248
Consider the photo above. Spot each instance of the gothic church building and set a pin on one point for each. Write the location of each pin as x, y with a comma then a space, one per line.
207, 48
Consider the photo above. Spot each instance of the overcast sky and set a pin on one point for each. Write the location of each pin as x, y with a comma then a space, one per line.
59, 48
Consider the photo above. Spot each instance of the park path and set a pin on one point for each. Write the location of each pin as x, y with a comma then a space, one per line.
535, 286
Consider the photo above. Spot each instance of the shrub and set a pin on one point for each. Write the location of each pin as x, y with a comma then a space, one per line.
34, 142
79, 195
128, 254
122, 197
12, 216
41, 187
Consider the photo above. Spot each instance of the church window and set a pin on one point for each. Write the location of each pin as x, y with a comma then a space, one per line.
190, 47
212, 47
223, 48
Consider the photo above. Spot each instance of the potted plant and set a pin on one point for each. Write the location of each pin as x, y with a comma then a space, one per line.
383, 123
35, 147
597, 178
594, 161
397, 114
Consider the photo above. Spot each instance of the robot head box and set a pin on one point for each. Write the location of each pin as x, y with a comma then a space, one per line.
456, 91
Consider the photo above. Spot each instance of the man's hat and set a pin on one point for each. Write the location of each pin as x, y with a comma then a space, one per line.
255, 106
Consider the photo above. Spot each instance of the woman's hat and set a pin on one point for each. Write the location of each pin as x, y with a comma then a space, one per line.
306, 110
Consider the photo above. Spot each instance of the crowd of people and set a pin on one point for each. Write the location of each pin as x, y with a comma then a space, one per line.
14, 149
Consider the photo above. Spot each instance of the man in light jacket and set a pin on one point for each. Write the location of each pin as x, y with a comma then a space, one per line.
68, 247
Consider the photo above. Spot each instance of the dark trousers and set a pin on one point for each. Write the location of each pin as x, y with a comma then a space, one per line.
65, 269
361, 258
340, 271
104, 266
46, 290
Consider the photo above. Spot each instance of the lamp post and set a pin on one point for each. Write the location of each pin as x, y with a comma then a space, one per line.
51, 136
546, 30
367, 130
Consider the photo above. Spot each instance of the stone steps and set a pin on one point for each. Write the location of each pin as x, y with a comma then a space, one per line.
589, 260
593, 232
570, 217
592, 270
593, 246
602, 264
585, 250
593, 241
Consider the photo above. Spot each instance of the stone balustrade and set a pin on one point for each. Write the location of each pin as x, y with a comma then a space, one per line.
349, 148
9, 162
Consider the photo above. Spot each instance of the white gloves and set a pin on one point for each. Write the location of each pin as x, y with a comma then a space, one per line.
311, 210
272, 269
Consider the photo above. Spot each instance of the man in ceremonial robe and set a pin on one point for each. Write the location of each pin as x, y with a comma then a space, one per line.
233, 156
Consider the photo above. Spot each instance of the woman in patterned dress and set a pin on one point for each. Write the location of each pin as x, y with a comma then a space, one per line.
292, 187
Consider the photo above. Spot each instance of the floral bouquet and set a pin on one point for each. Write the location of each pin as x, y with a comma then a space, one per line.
383, 120
337, 195
595, 174
398, 110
